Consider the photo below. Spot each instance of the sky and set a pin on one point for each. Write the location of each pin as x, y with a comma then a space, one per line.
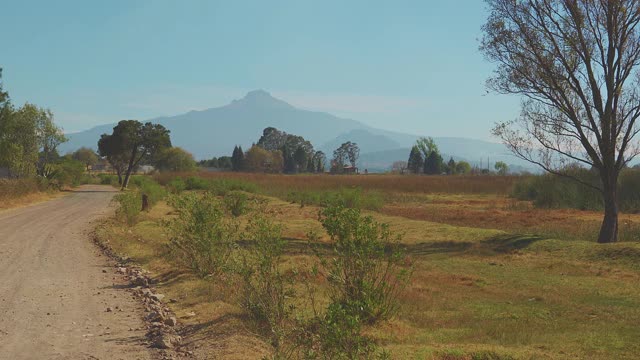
409, 66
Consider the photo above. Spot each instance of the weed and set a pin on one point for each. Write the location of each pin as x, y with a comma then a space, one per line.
201, 238
129, 206
236, 202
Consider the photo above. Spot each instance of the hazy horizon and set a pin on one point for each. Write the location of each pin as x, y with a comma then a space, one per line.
411, 67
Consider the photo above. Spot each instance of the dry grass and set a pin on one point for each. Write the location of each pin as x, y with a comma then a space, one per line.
478, 287
274, 184
22, 192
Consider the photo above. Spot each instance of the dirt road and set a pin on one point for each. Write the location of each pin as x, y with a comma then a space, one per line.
54, 293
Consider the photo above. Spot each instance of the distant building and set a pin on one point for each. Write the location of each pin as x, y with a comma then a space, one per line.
348, 169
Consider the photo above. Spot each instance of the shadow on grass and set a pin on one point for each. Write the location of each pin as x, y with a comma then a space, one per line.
503, 244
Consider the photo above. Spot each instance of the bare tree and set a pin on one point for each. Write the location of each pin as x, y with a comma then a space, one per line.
574, 62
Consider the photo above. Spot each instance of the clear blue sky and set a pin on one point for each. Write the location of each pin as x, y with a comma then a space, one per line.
412, 66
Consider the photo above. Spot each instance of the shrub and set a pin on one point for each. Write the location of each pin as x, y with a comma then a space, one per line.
15, 188
129, 206
265, 287
108, 179
147, 186
552, 191
236, 203
67, 172
196, 183
201, 238
176, 186
354, 198
365, 273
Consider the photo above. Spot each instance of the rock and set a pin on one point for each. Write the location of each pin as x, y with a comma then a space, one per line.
157, 297
104, 271
155, 316
171, 321
140, 281
109, 309
166, 341
190, 314
122, 270
173, 300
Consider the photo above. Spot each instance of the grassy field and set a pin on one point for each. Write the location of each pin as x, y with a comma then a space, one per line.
494, 278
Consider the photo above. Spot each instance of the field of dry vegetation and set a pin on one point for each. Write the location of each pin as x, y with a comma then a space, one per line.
492, 277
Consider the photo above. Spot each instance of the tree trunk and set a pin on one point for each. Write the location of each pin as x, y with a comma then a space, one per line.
119, 172
609, 229
129, 169
125, 183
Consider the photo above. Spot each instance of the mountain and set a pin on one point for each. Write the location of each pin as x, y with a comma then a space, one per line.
214, 132
366, 140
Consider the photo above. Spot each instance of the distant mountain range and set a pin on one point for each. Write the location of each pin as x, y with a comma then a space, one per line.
214, 132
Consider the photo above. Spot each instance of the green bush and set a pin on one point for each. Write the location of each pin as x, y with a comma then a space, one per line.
365, 272
202, 239
148, 186
354, 198
176, 186
67, 172
129, 206
236, 203
266, 289
108, 179
552, 191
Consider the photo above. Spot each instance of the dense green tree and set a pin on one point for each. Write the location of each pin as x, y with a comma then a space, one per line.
50, 136
319, 160
224, 162
112, 149
237, 159
175, 159
347, 153
86, 156
136, 142
433, 165
416, 161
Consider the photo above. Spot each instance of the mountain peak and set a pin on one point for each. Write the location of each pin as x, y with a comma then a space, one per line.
261, 99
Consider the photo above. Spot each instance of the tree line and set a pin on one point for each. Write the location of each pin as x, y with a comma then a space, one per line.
29, 140
280, 152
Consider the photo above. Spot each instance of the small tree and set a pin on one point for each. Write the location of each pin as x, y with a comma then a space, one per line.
451, 167
416, 161
501, 167
86, 156
399, 167
463, 167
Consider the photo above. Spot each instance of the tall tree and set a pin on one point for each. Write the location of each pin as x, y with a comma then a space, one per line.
237, 159
416, 162
112, 149
86, 156
575, 63
319, 161
137, 142
433, 164
451, 166
49, 136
